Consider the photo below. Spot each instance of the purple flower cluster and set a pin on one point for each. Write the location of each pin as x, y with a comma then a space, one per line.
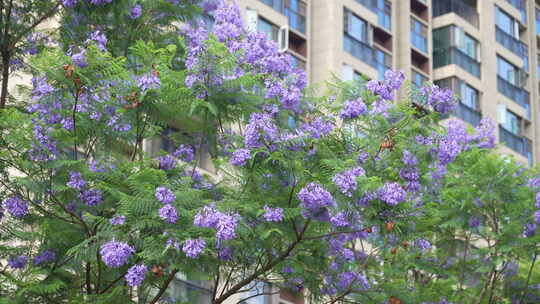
91, 197
45, 257
167, 162
349, 279
193, 248
313, 196
115, 254
69, 3
99, 38
100, 2
148, 81
118, 220
273, 214
240, 157
475, 222
340, 219
225, 224
410, 173
317, 128
392, 194
485, 134
261, 130
135, 11
76, 181
168, 213
185, 153
165, 195
346, 181
423, 245
441, 99
385, 89
16, 206
352, 109
135, 275
79, 59
18, 262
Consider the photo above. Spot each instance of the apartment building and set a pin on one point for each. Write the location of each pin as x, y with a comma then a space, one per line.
486, 51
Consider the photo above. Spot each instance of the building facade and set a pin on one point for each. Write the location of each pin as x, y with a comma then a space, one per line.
486, 51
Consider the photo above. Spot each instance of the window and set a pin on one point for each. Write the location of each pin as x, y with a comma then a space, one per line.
419, 35
268, 28
418, 79
355, 27
184, 290
512, 123
506, 23
466, 43
507, 71
537, 13
469, 95
255, 289
384, 62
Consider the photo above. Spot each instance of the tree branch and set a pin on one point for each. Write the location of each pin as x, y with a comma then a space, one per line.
164, 287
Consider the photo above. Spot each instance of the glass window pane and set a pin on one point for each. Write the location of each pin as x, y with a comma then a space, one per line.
357, 28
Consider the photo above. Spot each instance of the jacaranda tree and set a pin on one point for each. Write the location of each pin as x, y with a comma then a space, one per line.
351, 197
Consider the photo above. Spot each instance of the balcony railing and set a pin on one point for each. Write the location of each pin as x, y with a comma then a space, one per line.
515, 142
377, 6
360, 50
515, 93
467, 114
452, 55
296, 21
419, 41
508, 41
460, 7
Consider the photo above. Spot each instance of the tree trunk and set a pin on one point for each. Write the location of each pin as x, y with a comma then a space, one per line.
5, 80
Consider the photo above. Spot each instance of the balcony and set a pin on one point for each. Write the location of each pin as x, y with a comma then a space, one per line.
513, 44
515, 142
520, 5
360, 50
515, 93
459, 7
452, 55
467, 114
418, 41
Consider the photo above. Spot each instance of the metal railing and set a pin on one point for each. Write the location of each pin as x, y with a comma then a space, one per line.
360, 50
460, 7
418, 41
515, 142
467, 114
515, 93
512, 43
453, 55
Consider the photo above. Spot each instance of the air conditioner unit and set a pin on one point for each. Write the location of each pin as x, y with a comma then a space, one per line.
283, 38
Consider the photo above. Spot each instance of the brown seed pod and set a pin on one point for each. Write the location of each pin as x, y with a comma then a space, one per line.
68, 68
157, 270
394, 300
390, 226
393, 250
405, 244
368, 230
77, 81
155, 73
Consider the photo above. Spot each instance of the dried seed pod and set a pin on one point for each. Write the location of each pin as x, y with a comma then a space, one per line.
390, 226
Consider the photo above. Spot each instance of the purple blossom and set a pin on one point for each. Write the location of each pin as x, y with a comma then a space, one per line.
167, 162
193, 248
100, 2
115, 254
340, 220
394, 79
16, 206
423, 245
537, 200
317, 128
346, 181
92, 197
409, 174
18, 262
345, 280
135, 11
148, 81
441, 99
76, 181
168, 213
537, 217
530, 230
99, 38
69, 3
45, 257
79, 59
185, 153
273, 214
485, 133
226, 227
239, 157
392, 194
366, 199
409, 159
118, 220
207, 217
380, 107
352, 109
313, 196
225, 253
362, 157
135, 275
165, 195
261, 130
